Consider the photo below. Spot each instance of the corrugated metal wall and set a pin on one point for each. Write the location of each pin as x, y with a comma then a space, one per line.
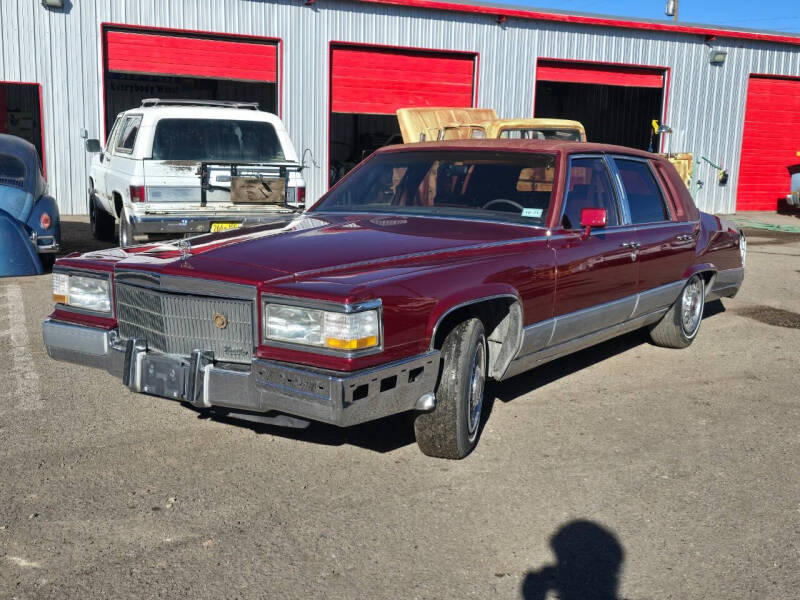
62, 51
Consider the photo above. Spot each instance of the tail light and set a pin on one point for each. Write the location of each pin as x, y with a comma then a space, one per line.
45, 221
301, 196
137, 193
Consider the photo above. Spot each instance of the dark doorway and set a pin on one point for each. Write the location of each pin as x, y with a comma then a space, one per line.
20, 112
354, 137
611, 114
124, 91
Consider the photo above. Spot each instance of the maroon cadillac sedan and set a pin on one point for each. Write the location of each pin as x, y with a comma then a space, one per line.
427, 270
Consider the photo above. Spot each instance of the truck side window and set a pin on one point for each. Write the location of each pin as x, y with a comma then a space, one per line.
127, 138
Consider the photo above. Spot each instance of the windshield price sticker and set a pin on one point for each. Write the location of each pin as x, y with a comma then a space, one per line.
536, 213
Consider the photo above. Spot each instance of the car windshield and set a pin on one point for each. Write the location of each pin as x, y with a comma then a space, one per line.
499, 186
216, 140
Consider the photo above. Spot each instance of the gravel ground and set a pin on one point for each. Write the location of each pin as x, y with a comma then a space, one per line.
624, 471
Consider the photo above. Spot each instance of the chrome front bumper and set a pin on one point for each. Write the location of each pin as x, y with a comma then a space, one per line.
200, 223
265, 386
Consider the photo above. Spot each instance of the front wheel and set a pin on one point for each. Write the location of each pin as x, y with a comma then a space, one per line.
679, 326
451, 429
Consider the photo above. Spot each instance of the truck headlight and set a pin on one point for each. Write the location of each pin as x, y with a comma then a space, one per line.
82, 291
334, 330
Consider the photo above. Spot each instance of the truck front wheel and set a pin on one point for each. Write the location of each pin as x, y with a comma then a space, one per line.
451, 429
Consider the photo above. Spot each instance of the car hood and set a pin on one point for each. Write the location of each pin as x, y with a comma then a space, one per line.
317, 244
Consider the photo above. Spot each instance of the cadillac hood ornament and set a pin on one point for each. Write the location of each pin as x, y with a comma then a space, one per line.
185, 246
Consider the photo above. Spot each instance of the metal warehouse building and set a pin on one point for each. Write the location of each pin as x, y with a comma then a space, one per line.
336, 70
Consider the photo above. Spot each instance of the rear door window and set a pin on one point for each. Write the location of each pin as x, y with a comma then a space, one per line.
589, 186
216, 140
12, 171
645, 201
127, 137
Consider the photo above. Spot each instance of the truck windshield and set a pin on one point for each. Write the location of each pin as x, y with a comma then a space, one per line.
216, 140
499, 186
569, 135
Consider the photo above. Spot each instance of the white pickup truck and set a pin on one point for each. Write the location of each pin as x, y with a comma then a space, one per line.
172, 167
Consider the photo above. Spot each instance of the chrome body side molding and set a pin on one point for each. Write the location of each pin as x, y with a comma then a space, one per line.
595, 318
553, 338
524, 363
657, 298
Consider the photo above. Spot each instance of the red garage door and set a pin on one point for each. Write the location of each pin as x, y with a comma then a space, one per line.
156, 54
378, 81
600, 74
770, 142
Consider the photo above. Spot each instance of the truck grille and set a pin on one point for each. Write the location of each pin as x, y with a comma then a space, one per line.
179, 324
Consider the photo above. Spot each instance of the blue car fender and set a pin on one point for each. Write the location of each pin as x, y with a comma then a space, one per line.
46, 204
17, 254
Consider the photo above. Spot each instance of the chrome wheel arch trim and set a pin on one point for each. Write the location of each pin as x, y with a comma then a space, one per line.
466, 303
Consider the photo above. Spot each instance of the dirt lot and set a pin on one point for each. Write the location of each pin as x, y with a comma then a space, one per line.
625, 471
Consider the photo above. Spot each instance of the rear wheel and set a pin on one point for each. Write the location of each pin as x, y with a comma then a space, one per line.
101, 222
451, 429
679, 326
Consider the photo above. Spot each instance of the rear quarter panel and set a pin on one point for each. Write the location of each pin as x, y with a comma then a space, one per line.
717, 246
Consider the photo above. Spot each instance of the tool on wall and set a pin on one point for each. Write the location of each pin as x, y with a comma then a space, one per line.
658, 130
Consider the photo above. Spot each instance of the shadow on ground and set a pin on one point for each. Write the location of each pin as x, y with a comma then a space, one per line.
588, 564
529, 381
391, 433
76, 236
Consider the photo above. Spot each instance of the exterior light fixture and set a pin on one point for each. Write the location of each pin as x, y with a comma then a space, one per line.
53, 3
671, 9
717, 57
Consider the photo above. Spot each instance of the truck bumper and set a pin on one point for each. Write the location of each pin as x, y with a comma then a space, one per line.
199, 223
264, 386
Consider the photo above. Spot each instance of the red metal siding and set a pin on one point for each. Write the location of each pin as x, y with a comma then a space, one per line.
770, 142
600, 74
380, 80
157, 54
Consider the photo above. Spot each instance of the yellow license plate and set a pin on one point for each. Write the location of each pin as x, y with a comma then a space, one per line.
215, 227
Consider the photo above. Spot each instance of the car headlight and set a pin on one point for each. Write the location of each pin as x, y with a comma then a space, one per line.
82, 291
334, 330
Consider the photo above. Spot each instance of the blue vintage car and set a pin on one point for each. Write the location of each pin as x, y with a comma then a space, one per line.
30, 228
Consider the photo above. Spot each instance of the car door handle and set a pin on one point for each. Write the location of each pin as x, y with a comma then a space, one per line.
635, 245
